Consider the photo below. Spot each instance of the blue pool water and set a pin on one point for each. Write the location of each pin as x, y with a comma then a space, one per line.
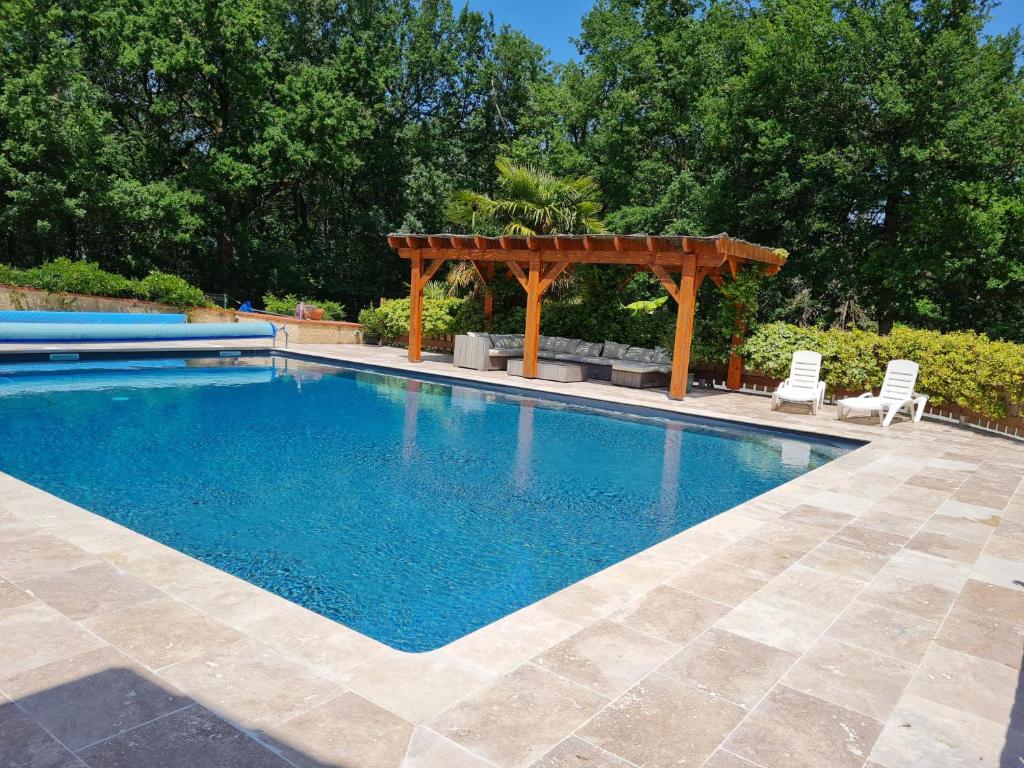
412, 511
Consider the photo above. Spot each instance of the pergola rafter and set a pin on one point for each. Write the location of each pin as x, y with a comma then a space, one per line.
536, 262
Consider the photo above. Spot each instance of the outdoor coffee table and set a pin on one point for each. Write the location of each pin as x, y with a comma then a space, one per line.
638, 376
550, 370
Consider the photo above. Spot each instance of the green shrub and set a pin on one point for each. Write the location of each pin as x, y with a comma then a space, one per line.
87, 277
170, 289
966, 368
78, 277
391, 318
372, 321
285, 305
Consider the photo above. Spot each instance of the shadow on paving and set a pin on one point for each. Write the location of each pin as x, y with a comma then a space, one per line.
117, 718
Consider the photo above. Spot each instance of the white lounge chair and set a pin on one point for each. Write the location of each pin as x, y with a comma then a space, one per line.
804, 384
896, 394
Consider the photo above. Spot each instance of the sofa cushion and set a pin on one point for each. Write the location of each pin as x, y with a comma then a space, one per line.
588, 349
595, 360
478, 335
662, 355
565, 345
506, 352
517, 340
547, 344
613, 350
639, 355
505, 341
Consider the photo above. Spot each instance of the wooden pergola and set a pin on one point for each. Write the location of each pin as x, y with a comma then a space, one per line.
680, 263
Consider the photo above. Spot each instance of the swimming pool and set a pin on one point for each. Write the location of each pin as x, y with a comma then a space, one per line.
414, 511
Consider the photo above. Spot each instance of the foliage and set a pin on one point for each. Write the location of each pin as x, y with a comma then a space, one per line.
391, 318
963, 368
285, 305
87, 278
268, 145
529, 202
170, 289
372, 321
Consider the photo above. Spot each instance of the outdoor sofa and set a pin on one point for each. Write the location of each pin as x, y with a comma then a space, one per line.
492, 351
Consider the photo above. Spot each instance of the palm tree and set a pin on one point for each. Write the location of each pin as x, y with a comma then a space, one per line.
530, 202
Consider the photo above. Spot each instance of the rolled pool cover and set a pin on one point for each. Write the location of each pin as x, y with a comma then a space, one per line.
64, 318
11, 333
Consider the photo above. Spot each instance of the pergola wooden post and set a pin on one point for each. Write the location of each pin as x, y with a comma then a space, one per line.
545, 258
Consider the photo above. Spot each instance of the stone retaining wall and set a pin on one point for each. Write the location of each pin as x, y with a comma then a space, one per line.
298, 331
20, 297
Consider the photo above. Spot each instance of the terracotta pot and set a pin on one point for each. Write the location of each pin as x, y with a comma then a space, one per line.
316, 314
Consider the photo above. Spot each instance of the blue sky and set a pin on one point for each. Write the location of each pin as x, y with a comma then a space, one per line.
552, 22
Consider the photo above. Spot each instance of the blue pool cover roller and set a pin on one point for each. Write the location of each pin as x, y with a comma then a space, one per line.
104, 332
63, 318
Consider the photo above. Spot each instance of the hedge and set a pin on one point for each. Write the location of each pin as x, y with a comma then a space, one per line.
64, 275
964, 368
391, 319
285, 305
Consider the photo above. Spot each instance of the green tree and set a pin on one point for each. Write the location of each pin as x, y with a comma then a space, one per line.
530, 202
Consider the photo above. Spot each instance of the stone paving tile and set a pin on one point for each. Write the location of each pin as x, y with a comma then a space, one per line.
967, 683
13, 527
35, 634
756, 555
938, 480
925, 568
783, 624
24, 743
328, 648
429, 749
519, 717
90, 590
795, 730
416, 686
844, 561
958, 527
923, 734
583, 602
883, 520
840, 502
671, 614
92, 696
990, 516
575, 753
925, 600
497, 649
606, 657
190, 738
720, 581
231, 600
993, 601
959, 549
723, 759
344, 732
729, 666
252, 684
912, 501
794, 536
161, 632
12, 596
33, 556
819, 517
850, 677
869, 540
812, 587
998, 571
987, 637
661, 722
897, 634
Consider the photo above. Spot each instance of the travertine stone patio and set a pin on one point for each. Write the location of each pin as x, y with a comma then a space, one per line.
868, 614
